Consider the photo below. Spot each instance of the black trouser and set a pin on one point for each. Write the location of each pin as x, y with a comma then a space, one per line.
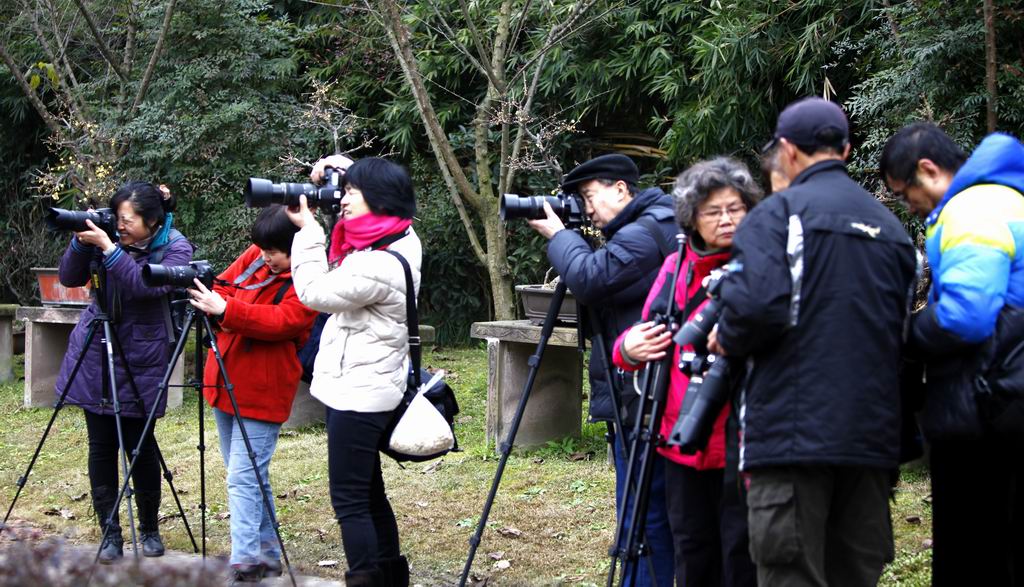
819, 525
977, 513
368, 529
709, 528
104, 460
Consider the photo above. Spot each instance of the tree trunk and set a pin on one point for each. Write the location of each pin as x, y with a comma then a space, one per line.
504, 299
990, 65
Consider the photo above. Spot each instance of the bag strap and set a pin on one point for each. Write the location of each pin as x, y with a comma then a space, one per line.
155, 258
415, 349
666, 247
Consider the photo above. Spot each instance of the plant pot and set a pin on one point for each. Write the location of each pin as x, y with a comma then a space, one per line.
52, 293
537, 298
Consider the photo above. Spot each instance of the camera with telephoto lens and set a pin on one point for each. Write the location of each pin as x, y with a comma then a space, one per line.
707, 392
178, 275
59, 219
567, 206
260, 193
710, 380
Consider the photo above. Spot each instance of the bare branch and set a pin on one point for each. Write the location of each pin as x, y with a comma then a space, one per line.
990, 66
450, 36
562, 32
104, 50
153, 58
44, 113
478, 42
454, 177
64, 87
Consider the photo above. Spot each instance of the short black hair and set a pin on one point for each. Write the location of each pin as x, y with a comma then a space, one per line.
147, 201
386, 186
825, 140
921, 140
273, 229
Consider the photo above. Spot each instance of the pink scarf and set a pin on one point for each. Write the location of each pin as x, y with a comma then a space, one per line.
360, 232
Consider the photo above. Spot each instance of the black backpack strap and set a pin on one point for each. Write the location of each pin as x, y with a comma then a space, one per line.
281, 291
666, 247
415, 349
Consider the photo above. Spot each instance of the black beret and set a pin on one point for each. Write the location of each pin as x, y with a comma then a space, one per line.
614, 167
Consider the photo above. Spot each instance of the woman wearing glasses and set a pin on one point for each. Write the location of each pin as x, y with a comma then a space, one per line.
708, 520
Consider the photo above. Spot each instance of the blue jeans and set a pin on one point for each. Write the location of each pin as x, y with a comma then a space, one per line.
253, 539
658, 533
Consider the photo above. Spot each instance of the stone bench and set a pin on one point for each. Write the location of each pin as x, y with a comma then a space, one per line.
555, 407
47, 330
7, 312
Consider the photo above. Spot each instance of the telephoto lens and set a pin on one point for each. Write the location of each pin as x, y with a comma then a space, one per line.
59, 219
568, 207
260, 193
695, 331
705, 396
178, 275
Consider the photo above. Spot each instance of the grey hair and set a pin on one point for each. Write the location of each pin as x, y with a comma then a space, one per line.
697, 183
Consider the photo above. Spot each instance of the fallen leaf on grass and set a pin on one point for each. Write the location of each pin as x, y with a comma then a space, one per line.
510, 532
166, 517
478, 580
289, 494
464, 419
580, 456
321, 534
913, 519
327, 563
422, 504
497, 555
79, 497
502, 565
62, 512
222, 516
926, 543
432, 466
538, 461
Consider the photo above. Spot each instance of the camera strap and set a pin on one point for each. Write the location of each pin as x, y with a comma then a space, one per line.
249, 272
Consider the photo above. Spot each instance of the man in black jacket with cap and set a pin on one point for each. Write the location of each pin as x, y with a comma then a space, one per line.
639, 228
818, 306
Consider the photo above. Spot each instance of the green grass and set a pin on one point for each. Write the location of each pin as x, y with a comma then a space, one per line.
558, 497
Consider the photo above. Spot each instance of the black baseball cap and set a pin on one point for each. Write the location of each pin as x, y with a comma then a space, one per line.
614, 167
803, 121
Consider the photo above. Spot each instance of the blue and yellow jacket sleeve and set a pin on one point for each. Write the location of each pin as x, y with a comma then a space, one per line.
973, 248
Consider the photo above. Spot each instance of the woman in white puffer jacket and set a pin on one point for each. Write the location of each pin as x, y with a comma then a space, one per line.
362, 366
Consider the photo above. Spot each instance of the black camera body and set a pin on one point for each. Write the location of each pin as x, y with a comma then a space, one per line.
180, 276
569, 207
260, 193
59, 219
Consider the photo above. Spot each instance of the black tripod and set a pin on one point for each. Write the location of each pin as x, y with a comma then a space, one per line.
630, 539
110, 342
534, 362
202, 340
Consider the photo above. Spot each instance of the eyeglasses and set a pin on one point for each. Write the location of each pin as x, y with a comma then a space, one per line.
715, 214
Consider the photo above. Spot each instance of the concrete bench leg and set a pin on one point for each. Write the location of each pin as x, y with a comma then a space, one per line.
6, 348
554, 409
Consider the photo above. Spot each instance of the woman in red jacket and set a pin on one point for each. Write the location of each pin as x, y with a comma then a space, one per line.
708, 520
262, 325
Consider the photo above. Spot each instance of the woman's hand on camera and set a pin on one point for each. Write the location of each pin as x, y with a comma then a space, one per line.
646, 342
339, 162
301, 215
207, 301
95, 236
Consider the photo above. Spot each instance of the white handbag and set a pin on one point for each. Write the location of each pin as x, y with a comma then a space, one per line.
422, 430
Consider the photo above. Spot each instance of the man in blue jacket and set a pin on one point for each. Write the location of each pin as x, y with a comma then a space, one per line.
639, 229
818, 306
973, 211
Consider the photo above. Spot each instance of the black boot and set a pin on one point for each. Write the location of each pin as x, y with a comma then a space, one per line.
395, 571
148, 504
112, 548
367, 578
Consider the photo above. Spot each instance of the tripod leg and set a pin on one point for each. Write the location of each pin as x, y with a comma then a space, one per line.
49, 425
506, 446
197, 381
108, 333
229, 388
151, 422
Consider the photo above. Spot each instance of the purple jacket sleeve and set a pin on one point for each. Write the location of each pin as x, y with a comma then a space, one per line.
127, 272
74, 265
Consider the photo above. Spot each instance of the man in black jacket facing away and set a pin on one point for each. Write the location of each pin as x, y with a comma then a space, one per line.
638, 227
818, 307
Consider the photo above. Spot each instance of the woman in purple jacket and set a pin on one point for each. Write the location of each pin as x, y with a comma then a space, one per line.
144, 234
